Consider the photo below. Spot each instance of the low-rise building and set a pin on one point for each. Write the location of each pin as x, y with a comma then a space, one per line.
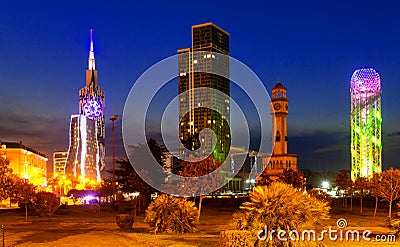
26, 162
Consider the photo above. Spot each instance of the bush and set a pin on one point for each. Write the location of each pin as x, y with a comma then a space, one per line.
236, 238
45, 203
171, 215
125, 221
277, 207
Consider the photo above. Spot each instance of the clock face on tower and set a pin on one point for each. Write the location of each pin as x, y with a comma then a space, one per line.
92, 108
277, 106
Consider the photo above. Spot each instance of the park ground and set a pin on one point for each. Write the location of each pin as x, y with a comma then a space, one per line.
78, 226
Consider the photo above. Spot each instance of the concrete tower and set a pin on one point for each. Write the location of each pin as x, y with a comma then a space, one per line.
280, 159
86, 152
91, 103
280, 106
366, 121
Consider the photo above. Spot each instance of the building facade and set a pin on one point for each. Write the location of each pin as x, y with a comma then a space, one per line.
366, 123
203, 71
86, 155
83, 154
246, 164
274, 164
59, 163
26, 162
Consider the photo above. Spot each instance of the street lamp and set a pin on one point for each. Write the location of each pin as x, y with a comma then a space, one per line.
113, 118
325, 185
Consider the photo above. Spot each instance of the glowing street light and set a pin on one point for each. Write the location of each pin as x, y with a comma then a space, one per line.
325, 185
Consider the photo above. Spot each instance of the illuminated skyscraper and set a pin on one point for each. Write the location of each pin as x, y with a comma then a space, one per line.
91, 102
365, 120
87, 130
83, 153
195, 67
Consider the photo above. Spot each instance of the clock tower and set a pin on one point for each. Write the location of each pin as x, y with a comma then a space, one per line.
86, 151
91, 103
279, 112
274, 164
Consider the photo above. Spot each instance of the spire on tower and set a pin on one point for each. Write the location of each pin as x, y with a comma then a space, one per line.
92, 65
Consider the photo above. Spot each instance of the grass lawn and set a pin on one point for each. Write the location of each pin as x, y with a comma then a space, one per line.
77, 226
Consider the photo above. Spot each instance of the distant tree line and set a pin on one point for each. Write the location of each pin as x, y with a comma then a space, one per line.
384, 186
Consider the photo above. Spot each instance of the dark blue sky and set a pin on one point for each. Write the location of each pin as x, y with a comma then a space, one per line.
312, 46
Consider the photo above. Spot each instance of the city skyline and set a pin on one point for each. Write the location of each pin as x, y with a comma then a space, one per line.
314, 60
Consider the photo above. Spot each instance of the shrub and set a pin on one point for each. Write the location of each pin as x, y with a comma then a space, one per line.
236, 238
125, 221
171, 215
277, 207
45, 203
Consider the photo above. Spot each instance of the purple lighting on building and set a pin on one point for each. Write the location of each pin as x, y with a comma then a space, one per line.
365, 81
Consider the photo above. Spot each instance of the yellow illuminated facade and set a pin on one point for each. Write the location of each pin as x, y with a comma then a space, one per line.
26, 162
83, 153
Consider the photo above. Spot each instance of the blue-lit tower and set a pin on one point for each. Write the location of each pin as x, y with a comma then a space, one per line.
86, 155
91, 102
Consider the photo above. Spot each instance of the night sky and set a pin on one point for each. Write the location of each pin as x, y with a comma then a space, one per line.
313, 47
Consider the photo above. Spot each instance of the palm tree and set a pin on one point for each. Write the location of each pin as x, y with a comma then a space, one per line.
280, 206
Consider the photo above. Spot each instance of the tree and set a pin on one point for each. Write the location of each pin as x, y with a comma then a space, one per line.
155, 149
309, 177
122, 175
138, 184
139, 158
292, 177
171, 215
280, 206
375, 184
344, 182
130, 180
361, 185
202, 184
106, 189
390, 187
288, 176
395, 223
5, 180
45, 203
22, 192
320, 195
264, 179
